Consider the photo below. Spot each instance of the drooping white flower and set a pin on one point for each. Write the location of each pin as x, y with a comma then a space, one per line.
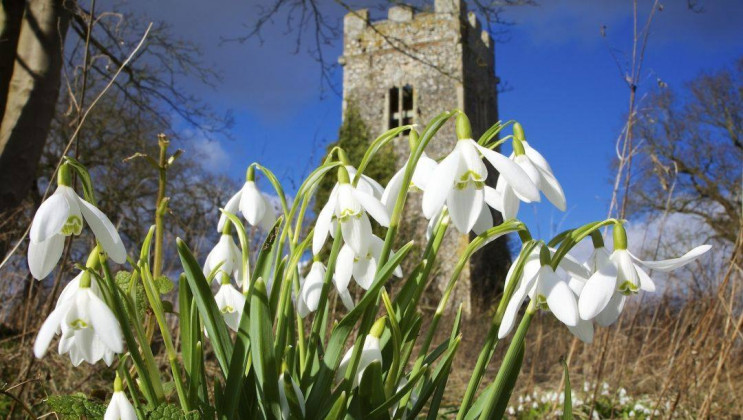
538, 170
230, 303
362, 267
370, 353
119, 408
349, 206
90, 331
284, 401
622, 274
459, 183
254, 205
311, 290
421, 175
62, 215
226, 253
550, 290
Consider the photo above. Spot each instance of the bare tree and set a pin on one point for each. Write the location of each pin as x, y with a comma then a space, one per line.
691, 142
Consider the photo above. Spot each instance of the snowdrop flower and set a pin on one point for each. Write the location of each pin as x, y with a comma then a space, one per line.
349, 205
622, 275
538, 170
366, 183
254, 205
370, 353
89, 330
230, 303
62, 215
284, 401
541, 283
424, 168
362, 267
226, 253
119, 408
311, 290
459, 181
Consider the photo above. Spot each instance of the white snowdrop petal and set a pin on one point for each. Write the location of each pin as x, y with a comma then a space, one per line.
44, 256
232, 206
674, 263
49, 328
373, 207
646, 283
597, 292
252, 205
423, 171
584, 331
104, 322
484, 221
560, 298
344, 267
440, 184
553, 191
322, 226
50, 217
104, 231
612, 311
512, 173
389, 196
465, 206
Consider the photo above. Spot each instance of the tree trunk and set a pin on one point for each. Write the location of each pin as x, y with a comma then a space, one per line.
31, 95
11, 13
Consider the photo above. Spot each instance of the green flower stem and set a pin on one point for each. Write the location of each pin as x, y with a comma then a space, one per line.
64, 177
161, 205
510, 366
157, 308
122, 371
577, 235
150, 381
415, 155
491, 339
477, 243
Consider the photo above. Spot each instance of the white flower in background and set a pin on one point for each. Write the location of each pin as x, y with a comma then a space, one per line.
119, 408
622, 275
459, 181
550, 290
62, 215
424, 168
284, 401
226, 253
366, 184
539, 171
254, 205
230, 303
311, 290
370, 353
349, 206
362, 267
90, 331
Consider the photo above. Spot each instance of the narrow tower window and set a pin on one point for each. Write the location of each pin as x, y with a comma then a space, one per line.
400, 106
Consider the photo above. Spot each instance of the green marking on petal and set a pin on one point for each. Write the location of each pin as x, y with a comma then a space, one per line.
73, 225
470, 177
227, 309
628, 288
79, 324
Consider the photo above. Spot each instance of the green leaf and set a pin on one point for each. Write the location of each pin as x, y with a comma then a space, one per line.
567, 411
171, 412
338, 410
261, 345
76, 406
371, 391
210, 314
163, 284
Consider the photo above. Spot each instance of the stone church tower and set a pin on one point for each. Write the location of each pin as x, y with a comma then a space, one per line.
408, 69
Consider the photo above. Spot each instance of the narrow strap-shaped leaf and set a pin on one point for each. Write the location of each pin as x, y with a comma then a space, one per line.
234, 377
371, 392
261, 349
396, 396
210, 314
338, 410
567, 410
440, 376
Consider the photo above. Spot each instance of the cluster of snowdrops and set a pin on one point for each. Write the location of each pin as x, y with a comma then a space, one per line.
269, 326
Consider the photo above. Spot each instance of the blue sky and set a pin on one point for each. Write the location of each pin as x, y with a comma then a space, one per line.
566, 88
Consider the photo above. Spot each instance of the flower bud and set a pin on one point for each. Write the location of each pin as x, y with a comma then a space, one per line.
63, 176
250, 174
413, 139
464, 129
518, 138
378, 328
343, 177
620, 237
